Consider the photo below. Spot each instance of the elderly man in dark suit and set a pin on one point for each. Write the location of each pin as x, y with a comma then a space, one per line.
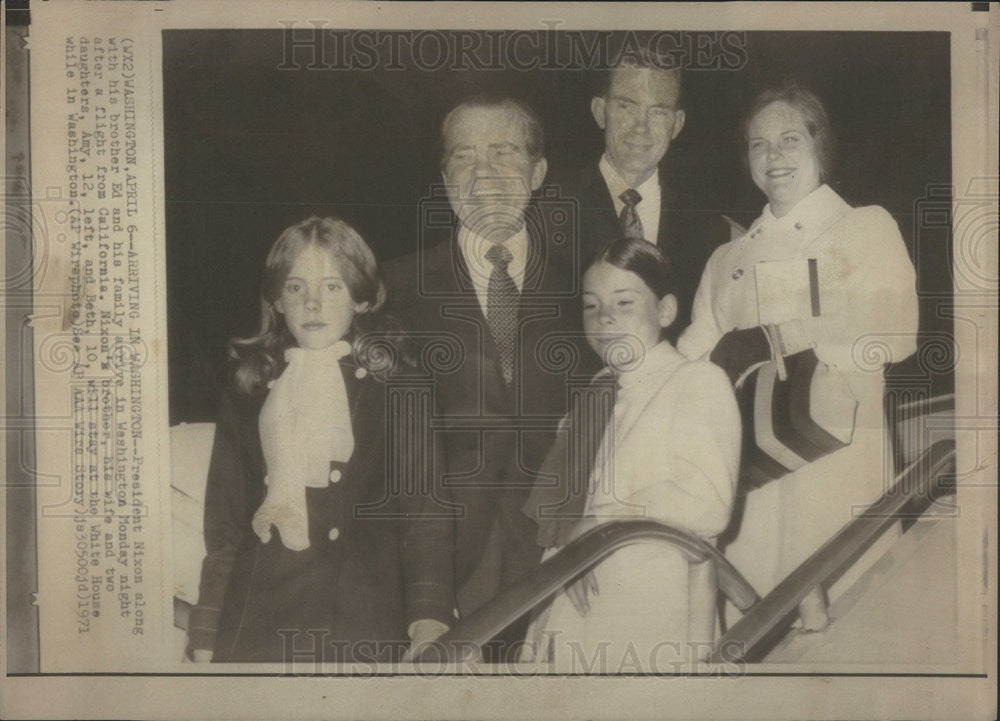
638, 106
496, 279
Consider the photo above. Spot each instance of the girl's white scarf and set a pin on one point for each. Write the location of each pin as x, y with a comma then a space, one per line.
304, 425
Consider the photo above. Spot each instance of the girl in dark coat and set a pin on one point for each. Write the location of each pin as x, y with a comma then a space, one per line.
304, 537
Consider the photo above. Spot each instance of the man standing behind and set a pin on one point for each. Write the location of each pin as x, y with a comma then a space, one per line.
638, 106
493, 283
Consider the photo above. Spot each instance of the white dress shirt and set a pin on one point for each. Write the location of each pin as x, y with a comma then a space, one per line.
648, 208
474, 248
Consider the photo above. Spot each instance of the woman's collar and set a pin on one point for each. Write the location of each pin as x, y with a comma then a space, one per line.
818, 205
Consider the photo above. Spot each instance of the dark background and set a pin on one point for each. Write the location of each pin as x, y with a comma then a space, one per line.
251, 148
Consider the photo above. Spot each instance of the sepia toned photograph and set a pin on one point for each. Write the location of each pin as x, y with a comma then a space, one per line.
413, 173
377, 350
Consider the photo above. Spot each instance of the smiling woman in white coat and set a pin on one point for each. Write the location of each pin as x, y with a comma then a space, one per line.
669, 452
867, 318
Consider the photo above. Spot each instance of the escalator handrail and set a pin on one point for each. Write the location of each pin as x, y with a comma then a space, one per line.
576, 557
918, 480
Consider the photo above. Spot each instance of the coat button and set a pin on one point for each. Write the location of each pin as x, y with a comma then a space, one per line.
360, 373
335, 476
334, 534
798, 226
737, 274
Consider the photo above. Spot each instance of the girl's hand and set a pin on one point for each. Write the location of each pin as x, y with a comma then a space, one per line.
579, 590
586, 585
202, 655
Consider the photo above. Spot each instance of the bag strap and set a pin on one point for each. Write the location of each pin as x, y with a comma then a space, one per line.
777, 350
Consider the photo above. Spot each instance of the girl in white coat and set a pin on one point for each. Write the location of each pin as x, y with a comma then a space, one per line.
669, 452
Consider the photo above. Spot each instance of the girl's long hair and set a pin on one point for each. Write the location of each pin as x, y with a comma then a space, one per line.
259, 357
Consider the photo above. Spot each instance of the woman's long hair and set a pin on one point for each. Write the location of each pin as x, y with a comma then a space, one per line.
259, 357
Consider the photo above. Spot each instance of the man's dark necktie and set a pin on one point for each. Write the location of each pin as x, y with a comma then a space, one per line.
629, 218
501, 309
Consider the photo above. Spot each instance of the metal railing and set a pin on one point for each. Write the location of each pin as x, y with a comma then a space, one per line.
917, 481
464, 640
591, 548
761, 616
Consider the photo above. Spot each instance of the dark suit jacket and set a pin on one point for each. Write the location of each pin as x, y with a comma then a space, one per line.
688, 232
340, 591
495, 437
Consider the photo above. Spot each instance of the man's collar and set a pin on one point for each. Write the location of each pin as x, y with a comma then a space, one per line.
618, 185
474, 248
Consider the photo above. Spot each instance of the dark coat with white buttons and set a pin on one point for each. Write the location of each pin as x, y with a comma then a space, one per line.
341, 599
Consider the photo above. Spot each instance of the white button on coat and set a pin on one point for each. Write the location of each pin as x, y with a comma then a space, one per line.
335, 476
334, 534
